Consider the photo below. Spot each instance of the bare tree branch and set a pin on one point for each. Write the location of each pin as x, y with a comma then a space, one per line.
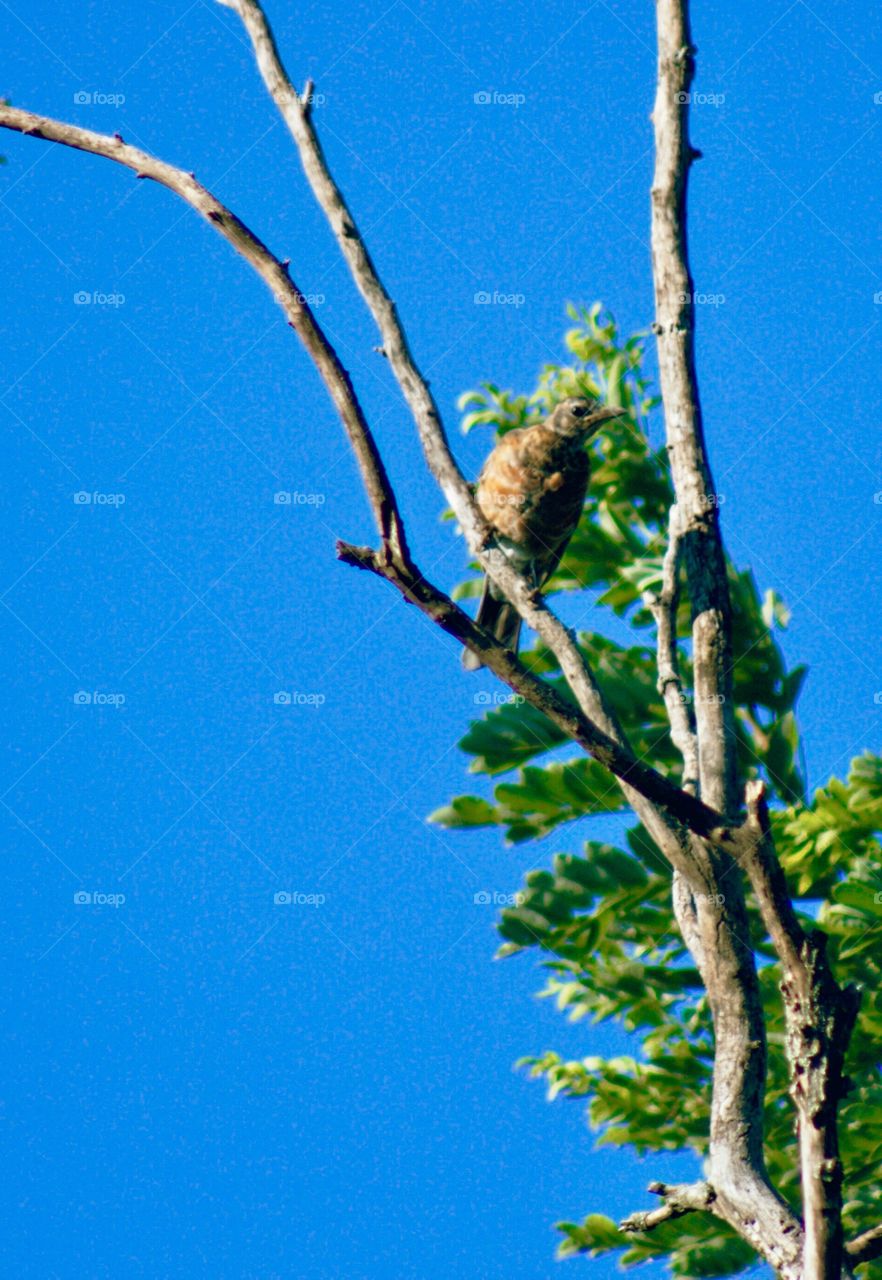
683, 1198
865, 1247
715, 927
820, 1017
696, 498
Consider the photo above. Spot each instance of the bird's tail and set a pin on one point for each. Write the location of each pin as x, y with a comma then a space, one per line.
497, 616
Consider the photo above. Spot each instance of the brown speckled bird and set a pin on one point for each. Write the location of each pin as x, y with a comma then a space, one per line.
531, 491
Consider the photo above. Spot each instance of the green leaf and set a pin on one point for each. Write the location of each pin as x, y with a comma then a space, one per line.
465, 811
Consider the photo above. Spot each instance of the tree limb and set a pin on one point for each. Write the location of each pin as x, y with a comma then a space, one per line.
865, 1247
820, 1017
696, 498
683, 1198
715, 928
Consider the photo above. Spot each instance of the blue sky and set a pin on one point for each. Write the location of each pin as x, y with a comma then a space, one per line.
197, 1081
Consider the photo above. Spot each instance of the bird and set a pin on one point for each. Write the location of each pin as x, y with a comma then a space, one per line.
531, 491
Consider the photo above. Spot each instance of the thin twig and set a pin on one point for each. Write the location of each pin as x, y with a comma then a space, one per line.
683, 1198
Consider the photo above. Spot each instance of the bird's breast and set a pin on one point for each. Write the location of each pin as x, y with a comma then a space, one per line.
533, 487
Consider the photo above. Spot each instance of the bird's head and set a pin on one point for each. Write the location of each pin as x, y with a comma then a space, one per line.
579, 416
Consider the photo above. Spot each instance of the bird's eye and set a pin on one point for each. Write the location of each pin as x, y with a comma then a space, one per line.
579, 411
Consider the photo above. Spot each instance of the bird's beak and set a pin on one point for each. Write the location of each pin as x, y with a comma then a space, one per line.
597, 419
